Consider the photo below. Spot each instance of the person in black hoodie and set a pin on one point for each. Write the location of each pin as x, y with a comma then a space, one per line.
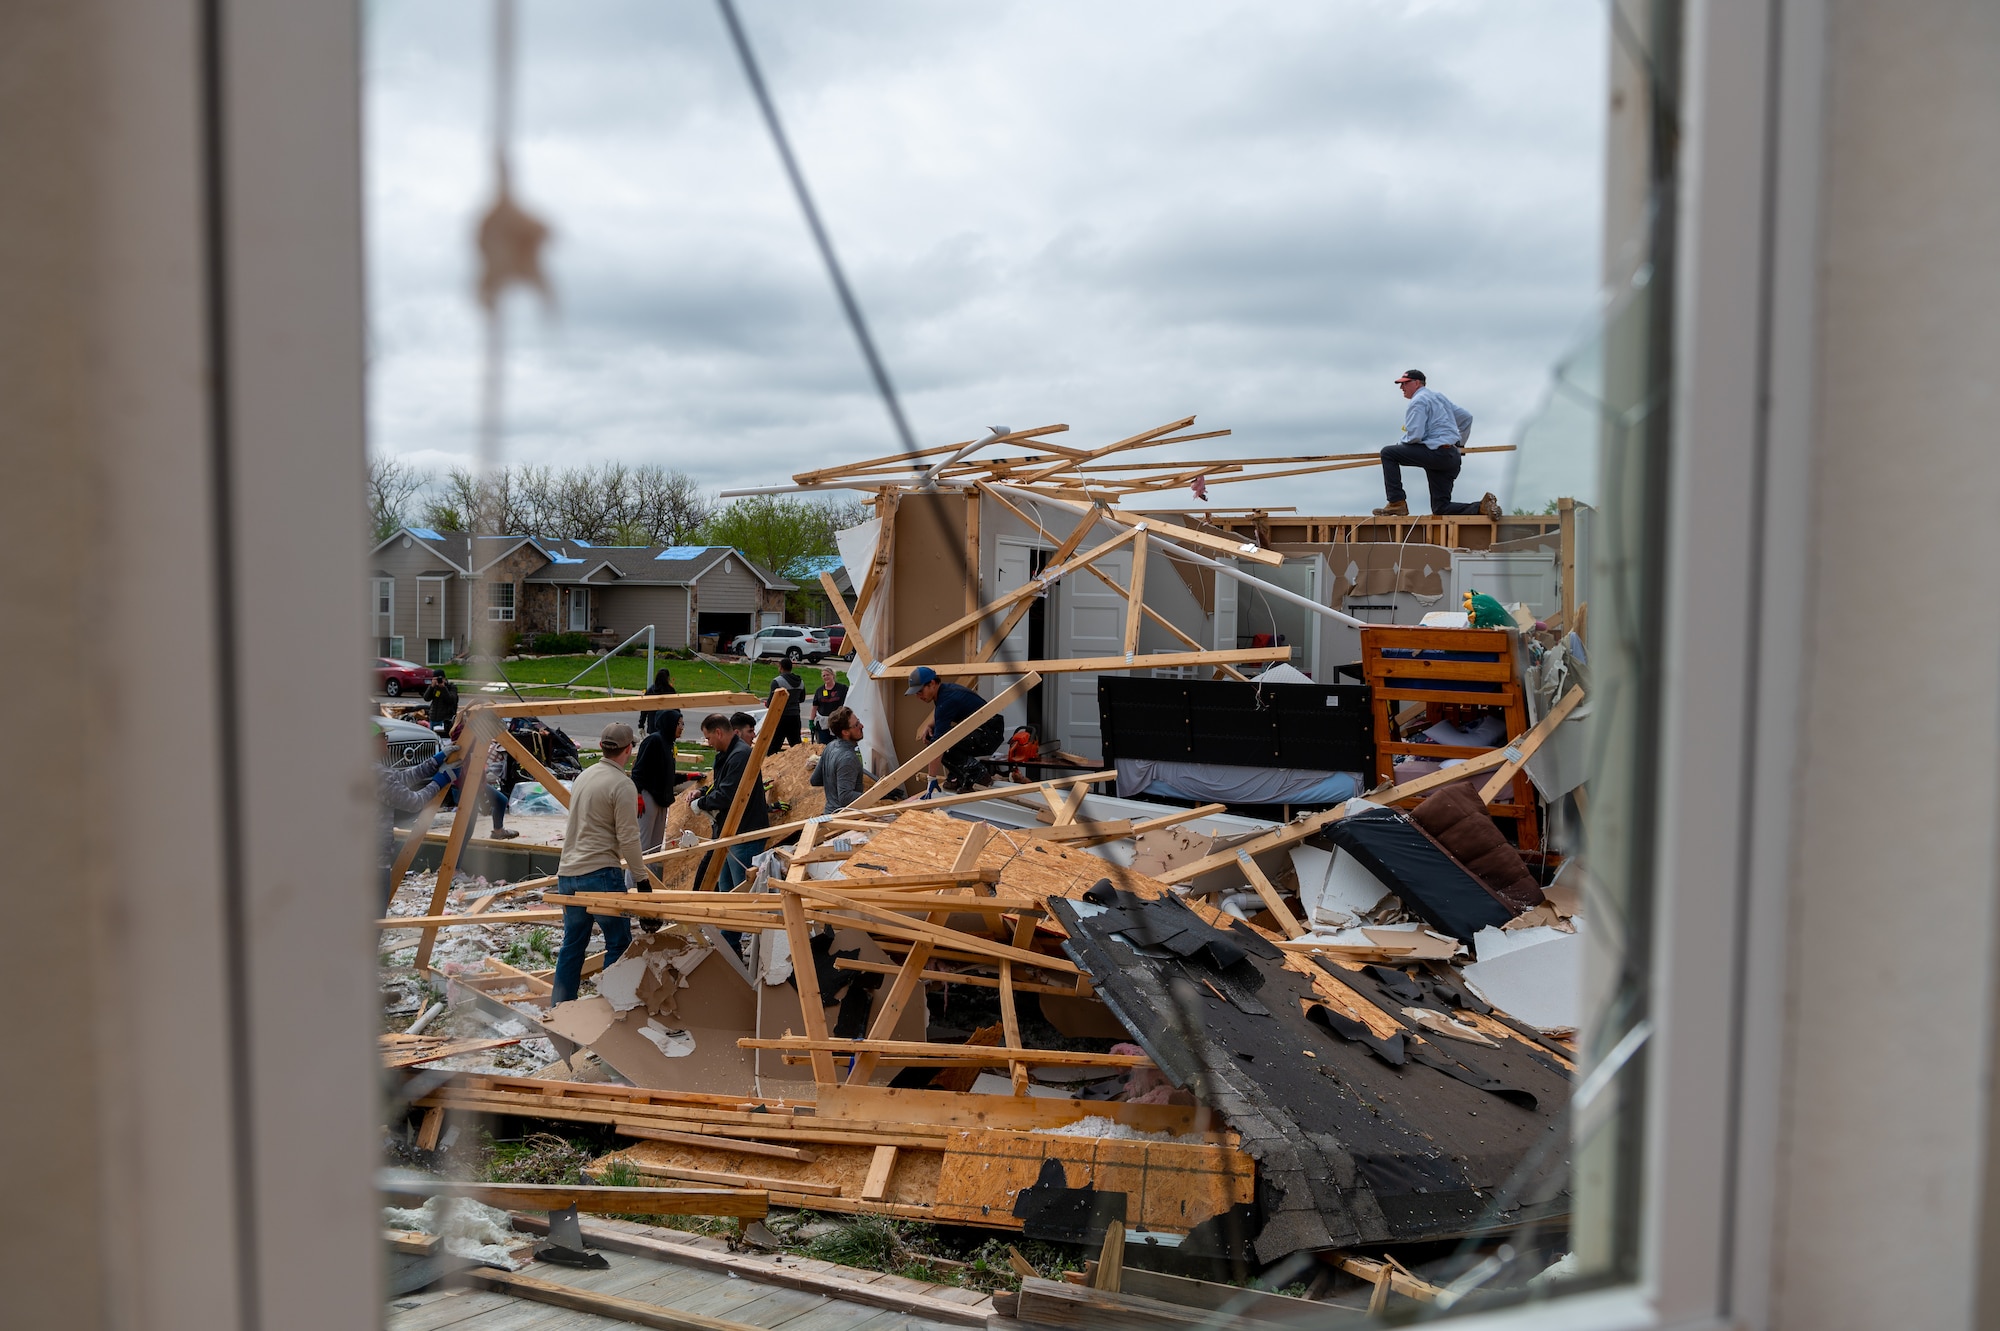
653, 773
795, 694
667, 720
732, 758
442, 695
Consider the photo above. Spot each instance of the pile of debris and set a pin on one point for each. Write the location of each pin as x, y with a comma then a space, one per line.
1342, 1044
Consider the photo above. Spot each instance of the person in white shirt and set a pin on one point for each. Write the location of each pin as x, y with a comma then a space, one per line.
1435, 433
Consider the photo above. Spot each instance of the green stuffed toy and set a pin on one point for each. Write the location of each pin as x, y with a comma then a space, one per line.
1483, 612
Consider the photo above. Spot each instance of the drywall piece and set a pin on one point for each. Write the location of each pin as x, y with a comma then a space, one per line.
619, 984
1345, 892
1533, 975
670, 1042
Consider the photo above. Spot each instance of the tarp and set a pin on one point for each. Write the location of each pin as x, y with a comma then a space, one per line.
866, 696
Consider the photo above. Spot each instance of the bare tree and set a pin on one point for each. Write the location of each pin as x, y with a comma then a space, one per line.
392, 487
607, 504
668, 506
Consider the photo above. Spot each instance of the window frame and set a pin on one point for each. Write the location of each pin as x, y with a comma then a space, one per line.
501, 602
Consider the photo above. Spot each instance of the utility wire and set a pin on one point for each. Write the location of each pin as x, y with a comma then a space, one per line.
820, 238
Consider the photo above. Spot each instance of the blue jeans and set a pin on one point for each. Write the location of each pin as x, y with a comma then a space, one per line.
736, 872
1440, 466
576, 930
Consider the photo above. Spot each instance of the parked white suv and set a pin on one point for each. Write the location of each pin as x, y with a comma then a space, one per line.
783, 642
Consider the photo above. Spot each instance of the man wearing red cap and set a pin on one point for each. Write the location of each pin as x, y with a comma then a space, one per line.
1435, 431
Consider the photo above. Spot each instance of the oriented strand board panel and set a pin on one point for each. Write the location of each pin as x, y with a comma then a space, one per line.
921, 841
914, 1181
1168, 1185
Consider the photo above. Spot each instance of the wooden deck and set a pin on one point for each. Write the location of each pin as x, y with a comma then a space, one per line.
679, 1287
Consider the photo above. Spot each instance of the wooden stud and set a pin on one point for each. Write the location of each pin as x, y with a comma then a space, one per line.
1524, 748
1268, 894
430, 1129
1076, 665
811, 1006
1010, 1024
1135, 600
985, 1055
731, 1179
1111, 1261
1026, 591
973, 568
894, 781
480, 725
954, 977
850, 622
594, 1198
752, 773
621, 702
713, 1141
1021, 1266
875, 1187
885, 555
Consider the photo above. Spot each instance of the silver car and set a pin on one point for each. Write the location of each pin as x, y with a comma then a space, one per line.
787, 642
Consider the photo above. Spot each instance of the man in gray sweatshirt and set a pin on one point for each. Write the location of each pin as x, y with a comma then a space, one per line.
600, 845
840, 771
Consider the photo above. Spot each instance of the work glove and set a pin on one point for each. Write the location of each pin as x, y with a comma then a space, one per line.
444, 777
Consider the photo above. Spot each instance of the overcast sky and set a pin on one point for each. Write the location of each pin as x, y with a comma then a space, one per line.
1109, 214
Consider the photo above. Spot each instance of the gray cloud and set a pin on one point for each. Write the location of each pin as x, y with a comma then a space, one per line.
1111, 214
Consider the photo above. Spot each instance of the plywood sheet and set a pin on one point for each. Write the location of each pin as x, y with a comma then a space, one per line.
1169, 1186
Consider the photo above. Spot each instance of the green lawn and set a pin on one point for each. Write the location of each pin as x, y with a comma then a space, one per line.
629, 672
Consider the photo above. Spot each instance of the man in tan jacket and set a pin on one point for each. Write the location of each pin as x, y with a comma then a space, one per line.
600, 843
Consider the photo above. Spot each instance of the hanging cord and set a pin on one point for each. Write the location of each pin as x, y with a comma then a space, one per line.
848, 304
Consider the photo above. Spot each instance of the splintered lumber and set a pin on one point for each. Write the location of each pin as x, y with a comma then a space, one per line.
1399, 1281
1027, 591
620, 703
984, 1055
648, 1132
1074, 665
958, 977
849, 621
1268, 894
548, 916
886, 921
938, 746
603, 1305
401, 1059
1111, 1260
730, 1179
479, 727
597, 1198
1519, 752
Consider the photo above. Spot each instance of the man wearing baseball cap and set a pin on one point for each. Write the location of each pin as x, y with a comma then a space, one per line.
1435, 431
964, 762
600, 842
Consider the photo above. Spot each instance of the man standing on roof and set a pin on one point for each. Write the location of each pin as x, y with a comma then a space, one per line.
600, 843
1435, 431
964, 762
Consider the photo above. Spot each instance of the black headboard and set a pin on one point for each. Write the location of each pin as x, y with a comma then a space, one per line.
1316, 727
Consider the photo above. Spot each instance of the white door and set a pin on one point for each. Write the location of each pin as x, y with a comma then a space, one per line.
1091, 622
1013, 562
579, 610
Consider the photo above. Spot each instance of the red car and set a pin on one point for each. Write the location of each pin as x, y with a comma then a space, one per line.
397, 678
836, 638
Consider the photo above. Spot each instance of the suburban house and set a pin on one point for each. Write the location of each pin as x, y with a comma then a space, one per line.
427, 589
810, 599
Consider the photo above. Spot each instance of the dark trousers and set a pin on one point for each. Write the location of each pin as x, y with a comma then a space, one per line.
1440, 469
576, 930
787, 732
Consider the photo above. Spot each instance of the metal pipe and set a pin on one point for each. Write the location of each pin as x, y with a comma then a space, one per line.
1182, 552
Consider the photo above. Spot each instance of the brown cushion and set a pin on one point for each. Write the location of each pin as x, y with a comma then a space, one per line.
1456, 820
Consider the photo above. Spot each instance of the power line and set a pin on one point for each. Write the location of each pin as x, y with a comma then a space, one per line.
833, 269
